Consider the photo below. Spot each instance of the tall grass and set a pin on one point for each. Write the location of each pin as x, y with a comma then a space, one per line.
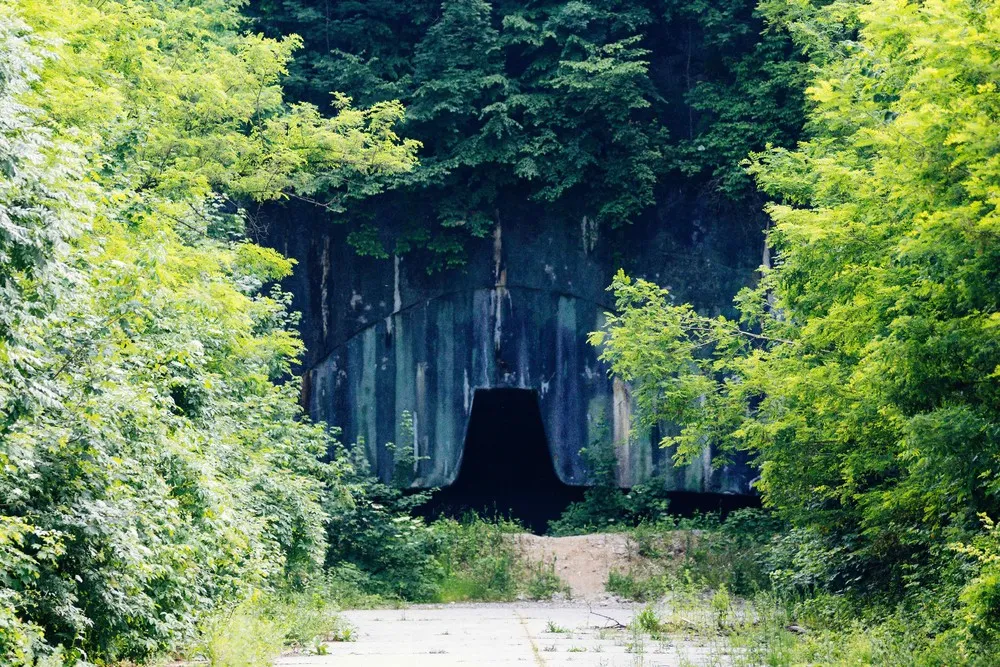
255, 632
721, 589
480, 560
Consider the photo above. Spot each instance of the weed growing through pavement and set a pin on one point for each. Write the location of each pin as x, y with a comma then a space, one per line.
554, 627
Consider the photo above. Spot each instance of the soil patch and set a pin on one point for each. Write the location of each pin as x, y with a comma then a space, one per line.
582, 561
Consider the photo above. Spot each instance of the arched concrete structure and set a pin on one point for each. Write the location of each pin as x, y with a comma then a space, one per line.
387, 338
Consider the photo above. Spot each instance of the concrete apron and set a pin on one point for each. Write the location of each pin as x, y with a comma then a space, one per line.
542, 634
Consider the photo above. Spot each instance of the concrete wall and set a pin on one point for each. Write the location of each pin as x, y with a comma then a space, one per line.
385, 336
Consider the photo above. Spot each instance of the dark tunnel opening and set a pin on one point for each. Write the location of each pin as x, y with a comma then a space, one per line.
507, 471
506, 467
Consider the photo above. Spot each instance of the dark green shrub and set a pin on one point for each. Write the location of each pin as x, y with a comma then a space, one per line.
633, 586
542, 582
478, 560
605, 506
371, 532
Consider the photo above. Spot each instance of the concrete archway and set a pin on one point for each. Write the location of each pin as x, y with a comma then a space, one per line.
506, 468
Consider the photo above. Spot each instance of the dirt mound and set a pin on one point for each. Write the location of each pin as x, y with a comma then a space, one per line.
582, 561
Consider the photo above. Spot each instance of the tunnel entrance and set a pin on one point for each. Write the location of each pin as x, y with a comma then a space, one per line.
506, 467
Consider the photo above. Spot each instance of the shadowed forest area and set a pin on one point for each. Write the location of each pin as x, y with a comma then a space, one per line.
164, 495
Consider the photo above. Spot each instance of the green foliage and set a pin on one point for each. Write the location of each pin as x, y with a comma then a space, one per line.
573, 110
154, 462
863, 371
253, 633
606, 506
890, 218
478, 560
371, 529
555, 628
647, 620
660, 349
785, 627
743, 544
243, 638
980, 598
736, 555
380, 552
629, 586
307, 617
542, 582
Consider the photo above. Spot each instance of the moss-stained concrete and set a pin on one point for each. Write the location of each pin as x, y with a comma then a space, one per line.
386, 338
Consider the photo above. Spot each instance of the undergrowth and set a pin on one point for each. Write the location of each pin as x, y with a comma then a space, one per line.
468, 560
254, 632
379, 549
481, 560
753, 593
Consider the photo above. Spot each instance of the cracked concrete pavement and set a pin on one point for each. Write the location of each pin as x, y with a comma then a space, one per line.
543, 634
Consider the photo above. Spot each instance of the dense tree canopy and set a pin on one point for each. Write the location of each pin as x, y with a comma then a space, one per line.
865, 374
151, 467
584, 109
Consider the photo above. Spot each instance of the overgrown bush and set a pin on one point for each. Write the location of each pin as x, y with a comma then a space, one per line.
980, 598
254, 632
244, 637
605, 506
634, 586
478, 560
380, 552
609, 508
542, 582
862, 372
790, 578
372, 530
155, 464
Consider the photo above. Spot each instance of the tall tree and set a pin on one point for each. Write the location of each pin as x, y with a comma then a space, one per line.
153, 465
572, 109
866, 374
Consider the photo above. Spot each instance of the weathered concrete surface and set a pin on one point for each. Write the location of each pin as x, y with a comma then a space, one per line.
507, 634
386, 337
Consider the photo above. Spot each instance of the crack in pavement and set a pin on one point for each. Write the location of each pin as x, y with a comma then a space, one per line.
531, 640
